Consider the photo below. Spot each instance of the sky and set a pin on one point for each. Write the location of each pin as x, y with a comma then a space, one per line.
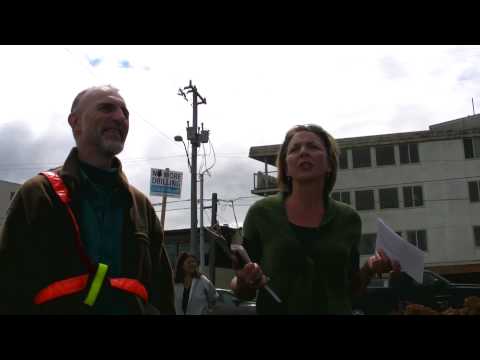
254, 95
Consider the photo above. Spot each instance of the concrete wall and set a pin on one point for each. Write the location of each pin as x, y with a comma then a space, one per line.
6, 189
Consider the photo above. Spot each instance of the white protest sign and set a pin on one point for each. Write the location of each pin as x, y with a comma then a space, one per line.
164, 182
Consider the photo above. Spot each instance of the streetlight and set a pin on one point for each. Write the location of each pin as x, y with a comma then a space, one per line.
179, 138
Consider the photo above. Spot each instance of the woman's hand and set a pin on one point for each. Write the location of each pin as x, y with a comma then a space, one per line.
380, 263
251, 276
248, 280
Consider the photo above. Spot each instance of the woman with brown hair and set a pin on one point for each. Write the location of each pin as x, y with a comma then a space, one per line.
194, 293
305, 241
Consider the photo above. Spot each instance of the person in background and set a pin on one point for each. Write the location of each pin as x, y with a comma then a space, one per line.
194, 292
305, 241
79, 239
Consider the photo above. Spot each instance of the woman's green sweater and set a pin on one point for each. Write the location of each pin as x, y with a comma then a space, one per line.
311, 270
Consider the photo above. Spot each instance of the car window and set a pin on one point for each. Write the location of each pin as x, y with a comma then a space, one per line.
228, 298
428, 279
378, 283
432, 278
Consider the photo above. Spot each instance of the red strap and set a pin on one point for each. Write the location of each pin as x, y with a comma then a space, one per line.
78, 283
58, 185
62, 192
61, 288
130, 285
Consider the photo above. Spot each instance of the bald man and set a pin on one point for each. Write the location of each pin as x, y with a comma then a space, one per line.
79, 239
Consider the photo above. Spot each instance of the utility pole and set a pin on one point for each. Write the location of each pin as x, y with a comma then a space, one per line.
164, 207
196, 137
213, 243
202, 233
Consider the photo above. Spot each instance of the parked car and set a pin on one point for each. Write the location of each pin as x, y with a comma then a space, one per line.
229, 304
388, 295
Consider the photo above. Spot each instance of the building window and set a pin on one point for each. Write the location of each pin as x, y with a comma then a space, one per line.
388, 198
476, 235
361, 157
412, 196
367, 244
418, 238
343, 159
343, 196
474, 190
472, 147
408, 153
385, 155
364, 200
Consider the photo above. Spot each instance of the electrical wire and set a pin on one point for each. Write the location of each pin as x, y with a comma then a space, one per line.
204, 160
214, 156
234, 215
168, 210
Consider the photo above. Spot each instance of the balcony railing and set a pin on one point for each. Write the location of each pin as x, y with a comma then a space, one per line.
265, 184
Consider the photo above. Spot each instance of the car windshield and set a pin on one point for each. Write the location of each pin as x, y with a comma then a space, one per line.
431, 278
378, 283
227, 297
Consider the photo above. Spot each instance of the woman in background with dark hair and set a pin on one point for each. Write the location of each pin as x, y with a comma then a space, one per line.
194, 293
305, 241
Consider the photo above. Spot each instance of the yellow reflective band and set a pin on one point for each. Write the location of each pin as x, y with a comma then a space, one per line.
96, 284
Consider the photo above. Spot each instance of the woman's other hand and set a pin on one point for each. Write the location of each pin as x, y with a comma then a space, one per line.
380, 263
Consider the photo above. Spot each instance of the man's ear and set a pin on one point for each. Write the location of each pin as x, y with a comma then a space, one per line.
74, 121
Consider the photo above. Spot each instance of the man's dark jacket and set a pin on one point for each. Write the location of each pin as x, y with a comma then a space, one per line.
37, 248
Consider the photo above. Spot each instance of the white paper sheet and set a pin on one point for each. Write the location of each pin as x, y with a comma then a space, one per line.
411, 258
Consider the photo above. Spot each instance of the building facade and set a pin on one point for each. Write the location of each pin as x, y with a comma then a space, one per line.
425, 185
7, 192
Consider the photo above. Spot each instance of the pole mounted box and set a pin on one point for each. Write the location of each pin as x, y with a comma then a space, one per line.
204, 136
191, 133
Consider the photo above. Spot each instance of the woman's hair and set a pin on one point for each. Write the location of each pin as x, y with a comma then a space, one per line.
179, 272
284, 182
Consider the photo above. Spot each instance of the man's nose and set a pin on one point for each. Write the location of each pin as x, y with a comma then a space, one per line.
119, 115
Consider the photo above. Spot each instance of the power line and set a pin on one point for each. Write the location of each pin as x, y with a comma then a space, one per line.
177, 201
204, 160
214, 156
241, 197
169, 202
234, 215
167, 210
